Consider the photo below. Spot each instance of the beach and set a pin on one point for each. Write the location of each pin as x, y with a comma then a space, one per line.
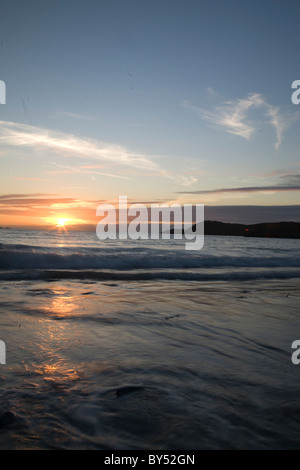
162, 349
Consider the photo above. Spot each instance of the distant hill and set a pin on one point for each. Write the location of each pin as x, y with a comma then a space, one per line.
265, 230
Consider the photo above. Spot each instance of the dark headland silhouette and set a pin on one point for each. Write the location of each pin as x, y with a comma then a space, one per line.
263, 230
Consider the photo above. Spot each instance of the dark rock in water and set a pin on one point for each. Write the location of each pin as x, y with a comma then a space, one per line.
171, 317
7, 418
128, 389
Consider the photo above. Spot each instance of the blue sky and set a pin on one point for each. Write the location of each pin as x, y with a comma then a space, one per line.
159, 101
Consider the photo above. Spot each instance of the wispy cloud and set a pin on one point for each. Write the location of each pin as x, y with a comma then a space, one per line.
48, 207
10, 196
187, 180
278, 122
67, 114
285, 180
92, 156
249, 189
81, 169
233, 116
67, 145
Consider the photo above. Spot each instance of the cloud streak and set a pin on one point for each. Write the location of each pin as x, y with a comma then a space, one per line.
233, 116
249, 189
23, 135
73, 116
81, 169
47, 207
96, 155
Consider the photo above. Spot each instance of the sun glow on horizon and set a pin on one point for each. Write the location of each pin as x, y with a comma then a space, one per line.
61, 222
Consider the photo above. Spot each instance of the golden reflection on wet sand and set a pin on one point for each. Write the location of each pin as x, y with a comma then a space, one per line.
57, 372
63, 304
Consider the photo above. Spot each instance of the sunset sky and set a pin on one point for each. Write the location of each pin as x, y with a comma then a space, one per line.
162, 101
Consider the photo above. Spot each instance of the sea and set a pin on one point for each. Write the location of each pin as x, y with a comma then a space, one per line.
144, 345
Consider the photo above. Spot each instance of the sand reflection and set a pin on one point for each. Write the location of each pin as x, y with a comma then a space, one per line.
63, 304
57, 372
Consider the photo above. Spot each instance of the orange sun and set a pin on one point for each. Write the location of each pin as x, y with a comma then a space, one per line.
61, 222
61, 225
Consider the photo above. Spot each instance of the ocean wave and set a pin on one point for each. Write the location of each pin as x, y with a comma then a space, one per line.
28, 257
149, 275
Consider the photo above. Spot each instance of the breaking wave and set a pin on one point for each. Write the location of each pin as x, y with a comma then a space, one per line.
122, 262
